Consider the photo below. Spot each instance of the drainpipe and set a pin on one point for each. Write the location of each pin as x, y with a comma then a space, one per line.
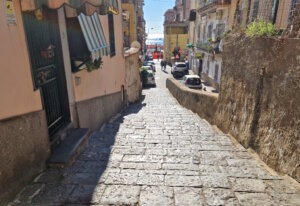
275, 11
248, 12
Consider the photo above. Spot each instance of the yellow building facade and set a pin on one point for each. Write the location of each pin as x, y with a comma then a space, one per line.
131, 30
175, 36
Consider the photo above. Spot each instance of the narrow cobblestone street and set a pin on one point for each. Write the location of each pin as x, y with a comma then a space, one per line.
158, 153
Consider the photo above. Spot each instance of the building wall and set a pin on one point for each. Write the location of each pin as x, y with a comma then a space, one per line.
24, 137
111, 76
173, 40
130, 7
25, 147
16, 87
210, 73
283, 14
264, 12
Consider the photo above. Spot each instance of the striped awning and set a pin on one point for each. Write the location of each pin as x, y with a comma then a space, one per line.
74, 7
93, 35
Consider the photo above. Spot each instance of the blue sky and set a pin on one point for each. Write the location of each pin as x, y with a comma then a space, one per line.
154, 15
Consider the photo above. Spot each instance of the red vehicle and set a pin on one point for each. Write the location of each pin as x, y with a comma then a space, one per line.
158, 54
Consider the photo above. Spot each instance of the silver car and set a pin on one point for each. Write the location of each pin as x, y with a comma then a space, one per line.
192, 81
179, 69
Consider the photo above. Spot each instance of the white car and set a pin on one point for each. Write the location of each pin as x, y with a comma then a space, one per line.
179, 69
192, 81
151, 79
152, 64
148, 68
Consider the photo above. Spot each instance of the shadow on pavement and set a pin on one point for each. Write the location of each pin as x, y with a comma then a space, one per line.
149, 87
81, 183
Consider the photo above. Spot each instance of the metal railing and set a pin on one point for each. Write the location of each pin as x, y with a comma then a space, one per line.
209, 47
206, 3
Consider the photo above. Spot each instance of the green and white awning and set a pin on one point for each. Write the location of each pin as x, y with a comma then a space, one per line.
74, 7
93, 35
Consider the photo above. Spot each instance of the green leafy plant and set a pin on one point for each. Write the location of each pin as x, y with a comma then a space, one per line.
261, 28
94, 65
198, 55
209, 39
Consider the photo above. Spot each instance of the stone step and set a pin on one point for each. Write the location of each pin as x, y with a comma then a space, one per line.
66, 152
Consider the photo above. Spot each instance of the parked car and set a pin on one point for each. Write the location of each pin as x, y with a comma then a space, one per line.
192, 81
147, 76
152, 64
151, 79
149, 57
179, 69
148, 68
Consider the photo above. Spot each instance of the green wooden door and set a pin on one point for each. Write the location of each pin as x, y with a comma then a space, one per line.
43, 39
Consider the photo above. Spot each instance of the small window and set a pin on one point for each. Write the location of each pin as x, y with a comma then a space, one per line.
111, 35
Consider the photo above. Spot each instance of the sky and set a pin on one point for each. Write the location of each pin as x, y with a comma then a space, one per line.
154, 15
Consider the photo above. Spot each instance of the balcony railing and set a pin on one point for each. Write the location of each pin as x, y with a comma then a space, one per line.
209, 47
208, 3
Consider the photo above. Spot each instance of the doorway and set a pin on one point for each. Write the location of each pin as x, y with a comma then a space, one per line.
44, 45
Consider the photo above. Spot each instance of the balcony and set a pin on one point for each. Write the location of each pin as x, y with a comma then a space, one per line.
207, 4
209, 47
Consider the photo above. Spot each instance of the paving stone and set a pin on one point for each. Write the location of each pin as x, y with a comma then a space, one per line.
85, 178
120, 195
178, 180
53, 193
282, 186
219, 196
182, 172
257, 199
240, 172
161, 152
143, 158
86, 194
188, 196
207, 169
192, 167
140, 165
247, 185
156, 196
129, 151
122, 178
150, 179
29, 192
215, 180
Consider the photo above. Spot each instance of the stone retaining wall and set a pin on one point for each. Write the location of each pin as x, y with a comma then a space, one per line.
200, 102
259, 100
